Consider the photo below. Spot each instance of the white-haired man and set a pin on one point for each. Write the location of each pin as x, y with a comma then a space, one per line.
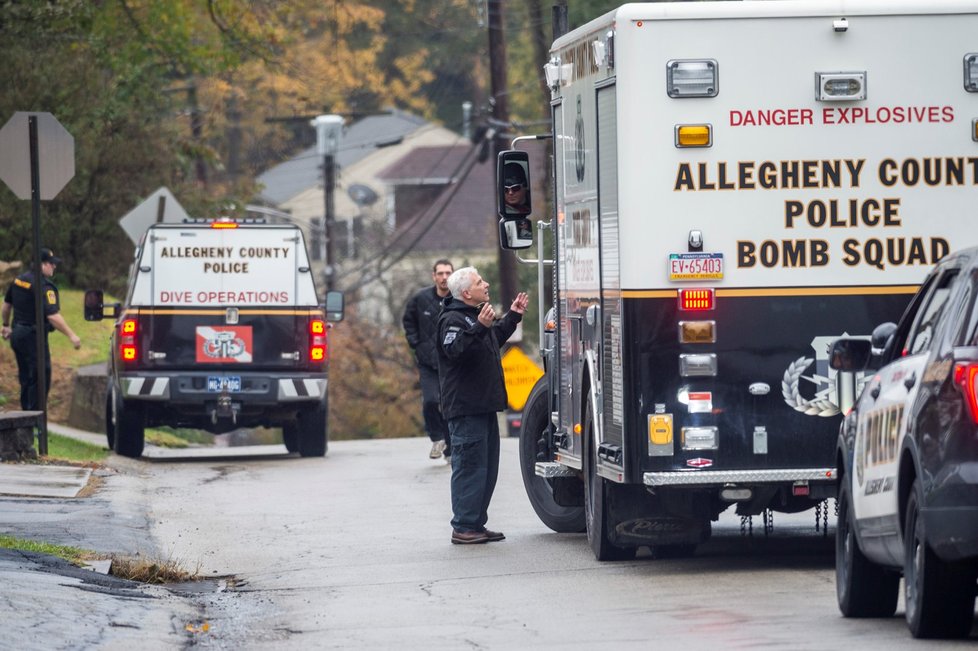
472, 392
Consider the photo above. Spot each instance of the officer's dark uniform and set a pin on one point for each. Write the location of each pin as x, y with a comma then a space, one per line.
20, 294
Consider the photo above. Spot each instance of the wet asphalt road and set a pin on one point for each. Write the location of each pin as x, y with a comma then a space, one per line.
352, 551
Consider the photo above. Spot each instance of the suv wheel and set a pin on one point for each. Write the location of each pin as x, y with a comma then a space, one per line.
940, 596
863, 588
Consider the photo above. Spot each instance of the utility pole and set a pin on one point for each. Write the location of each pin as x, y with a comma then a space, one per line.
499, 100
329, 129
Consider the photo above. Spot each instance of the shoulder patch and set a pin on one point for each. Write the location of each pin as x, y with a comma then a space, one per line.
469, 320
52, 299
22, 283
449, 337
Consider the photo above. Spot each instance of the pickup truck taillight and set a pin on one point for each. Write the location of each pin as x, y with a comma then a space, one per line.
127, 340
318, 348
966, 377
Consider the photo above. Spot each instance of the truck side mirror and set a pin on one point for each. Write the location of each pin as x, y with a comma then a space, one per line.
515, 233
849, 354
334, 306
513, 184
881, 337
95, 306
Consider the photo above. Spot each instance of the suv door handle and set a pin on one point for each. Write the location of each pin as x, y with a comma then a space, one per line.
875, 392
910, 381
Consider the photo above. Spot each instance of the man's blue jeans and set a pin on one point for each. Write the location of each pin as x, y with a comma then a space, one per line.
475, 466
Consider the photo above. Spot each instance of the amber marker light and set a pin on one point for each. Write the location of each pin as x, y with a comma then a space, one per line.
694, 135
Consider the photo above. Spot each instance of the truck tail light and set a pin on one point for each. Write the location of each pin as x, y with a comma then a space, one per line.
692, 300
127, 340
966, 377
318, 347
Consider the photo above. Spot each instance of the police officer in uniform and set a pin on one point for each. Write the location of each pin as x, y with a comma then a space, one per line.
19, 304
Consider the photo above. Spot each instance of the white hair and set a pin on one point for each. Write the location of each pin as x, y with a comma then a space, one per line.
461, 280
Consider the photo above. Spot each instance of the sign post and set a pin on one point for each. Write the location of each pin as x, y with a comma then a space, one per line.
24, 138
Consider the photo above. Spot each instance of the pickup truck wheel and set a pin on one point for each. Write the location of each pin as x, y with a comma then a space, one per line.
536, 421
130, 429
290, 436
109, 420
940, 596
596, 503
862, 588
312, 431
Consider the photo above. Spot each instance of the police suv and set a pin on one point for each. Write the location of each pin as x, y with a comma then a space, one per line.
221, 328
908, 459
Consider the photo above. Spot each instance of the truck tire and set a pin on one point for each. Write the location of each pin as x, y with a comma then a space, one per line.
596, 494
290, 435
313, 438
940, 596
536, 420
863, 589
130, 428
109, 420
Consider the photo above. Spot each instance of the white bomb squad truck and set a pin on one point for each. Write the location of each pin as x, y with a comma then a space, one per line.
221, 328
736, 185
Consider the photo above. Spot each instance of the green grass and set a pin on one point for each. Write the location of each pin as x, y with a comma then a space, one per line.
94, 334
146, 570
70, 554
69, 449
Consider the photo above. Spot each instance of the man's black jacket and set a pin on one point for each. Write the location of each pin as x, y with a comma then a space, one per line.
421, 326
469, 364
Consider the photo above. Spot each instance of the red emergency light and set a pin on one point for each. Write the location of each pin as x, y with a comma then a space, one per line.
694, 300
318, 347
127, 340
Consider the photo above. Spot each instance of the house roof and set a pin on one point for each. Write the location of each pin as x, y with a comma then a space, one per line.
462, 217
286, 180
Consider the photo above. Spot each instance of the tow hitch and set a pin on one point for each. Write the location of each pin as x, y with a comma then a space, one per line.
225, 408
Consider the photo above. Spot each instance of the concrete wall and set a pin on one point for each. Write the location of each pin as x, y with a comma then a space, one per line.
87, 410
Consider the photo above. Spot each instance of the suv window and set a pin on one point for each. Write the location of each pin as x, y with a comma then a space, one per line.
923, 331
967, 321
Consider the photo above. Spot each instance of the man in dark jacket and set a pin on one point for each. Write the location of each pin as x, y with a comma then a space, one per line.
472, 391
421, 329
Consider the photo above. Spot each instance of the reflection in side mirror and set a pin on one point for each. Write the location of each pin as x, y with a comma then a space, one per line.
94, 305
513, 184
515, 233
334, 306
850, 355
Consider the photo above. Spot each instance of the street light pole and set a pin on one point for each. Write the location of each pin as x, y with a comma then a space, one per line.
329, 129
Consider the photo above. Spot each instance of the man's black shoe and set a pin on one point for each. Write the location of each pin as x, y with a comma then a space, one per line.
494, 536
469, 537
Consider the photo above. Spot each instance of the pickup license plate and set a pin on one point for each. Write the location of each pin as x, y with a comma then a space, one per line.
216, 384
695, 266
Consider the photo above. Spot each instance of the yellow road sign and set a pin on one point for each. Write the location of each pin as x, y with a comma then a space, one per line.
520, 373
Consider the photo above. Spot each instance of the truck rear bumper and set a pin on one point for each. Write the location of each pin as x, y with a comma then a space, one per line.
701, 477
192, 388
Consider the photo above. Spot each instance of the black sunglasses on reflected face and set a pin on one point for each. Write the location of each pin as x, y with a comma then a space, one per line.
513, 188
